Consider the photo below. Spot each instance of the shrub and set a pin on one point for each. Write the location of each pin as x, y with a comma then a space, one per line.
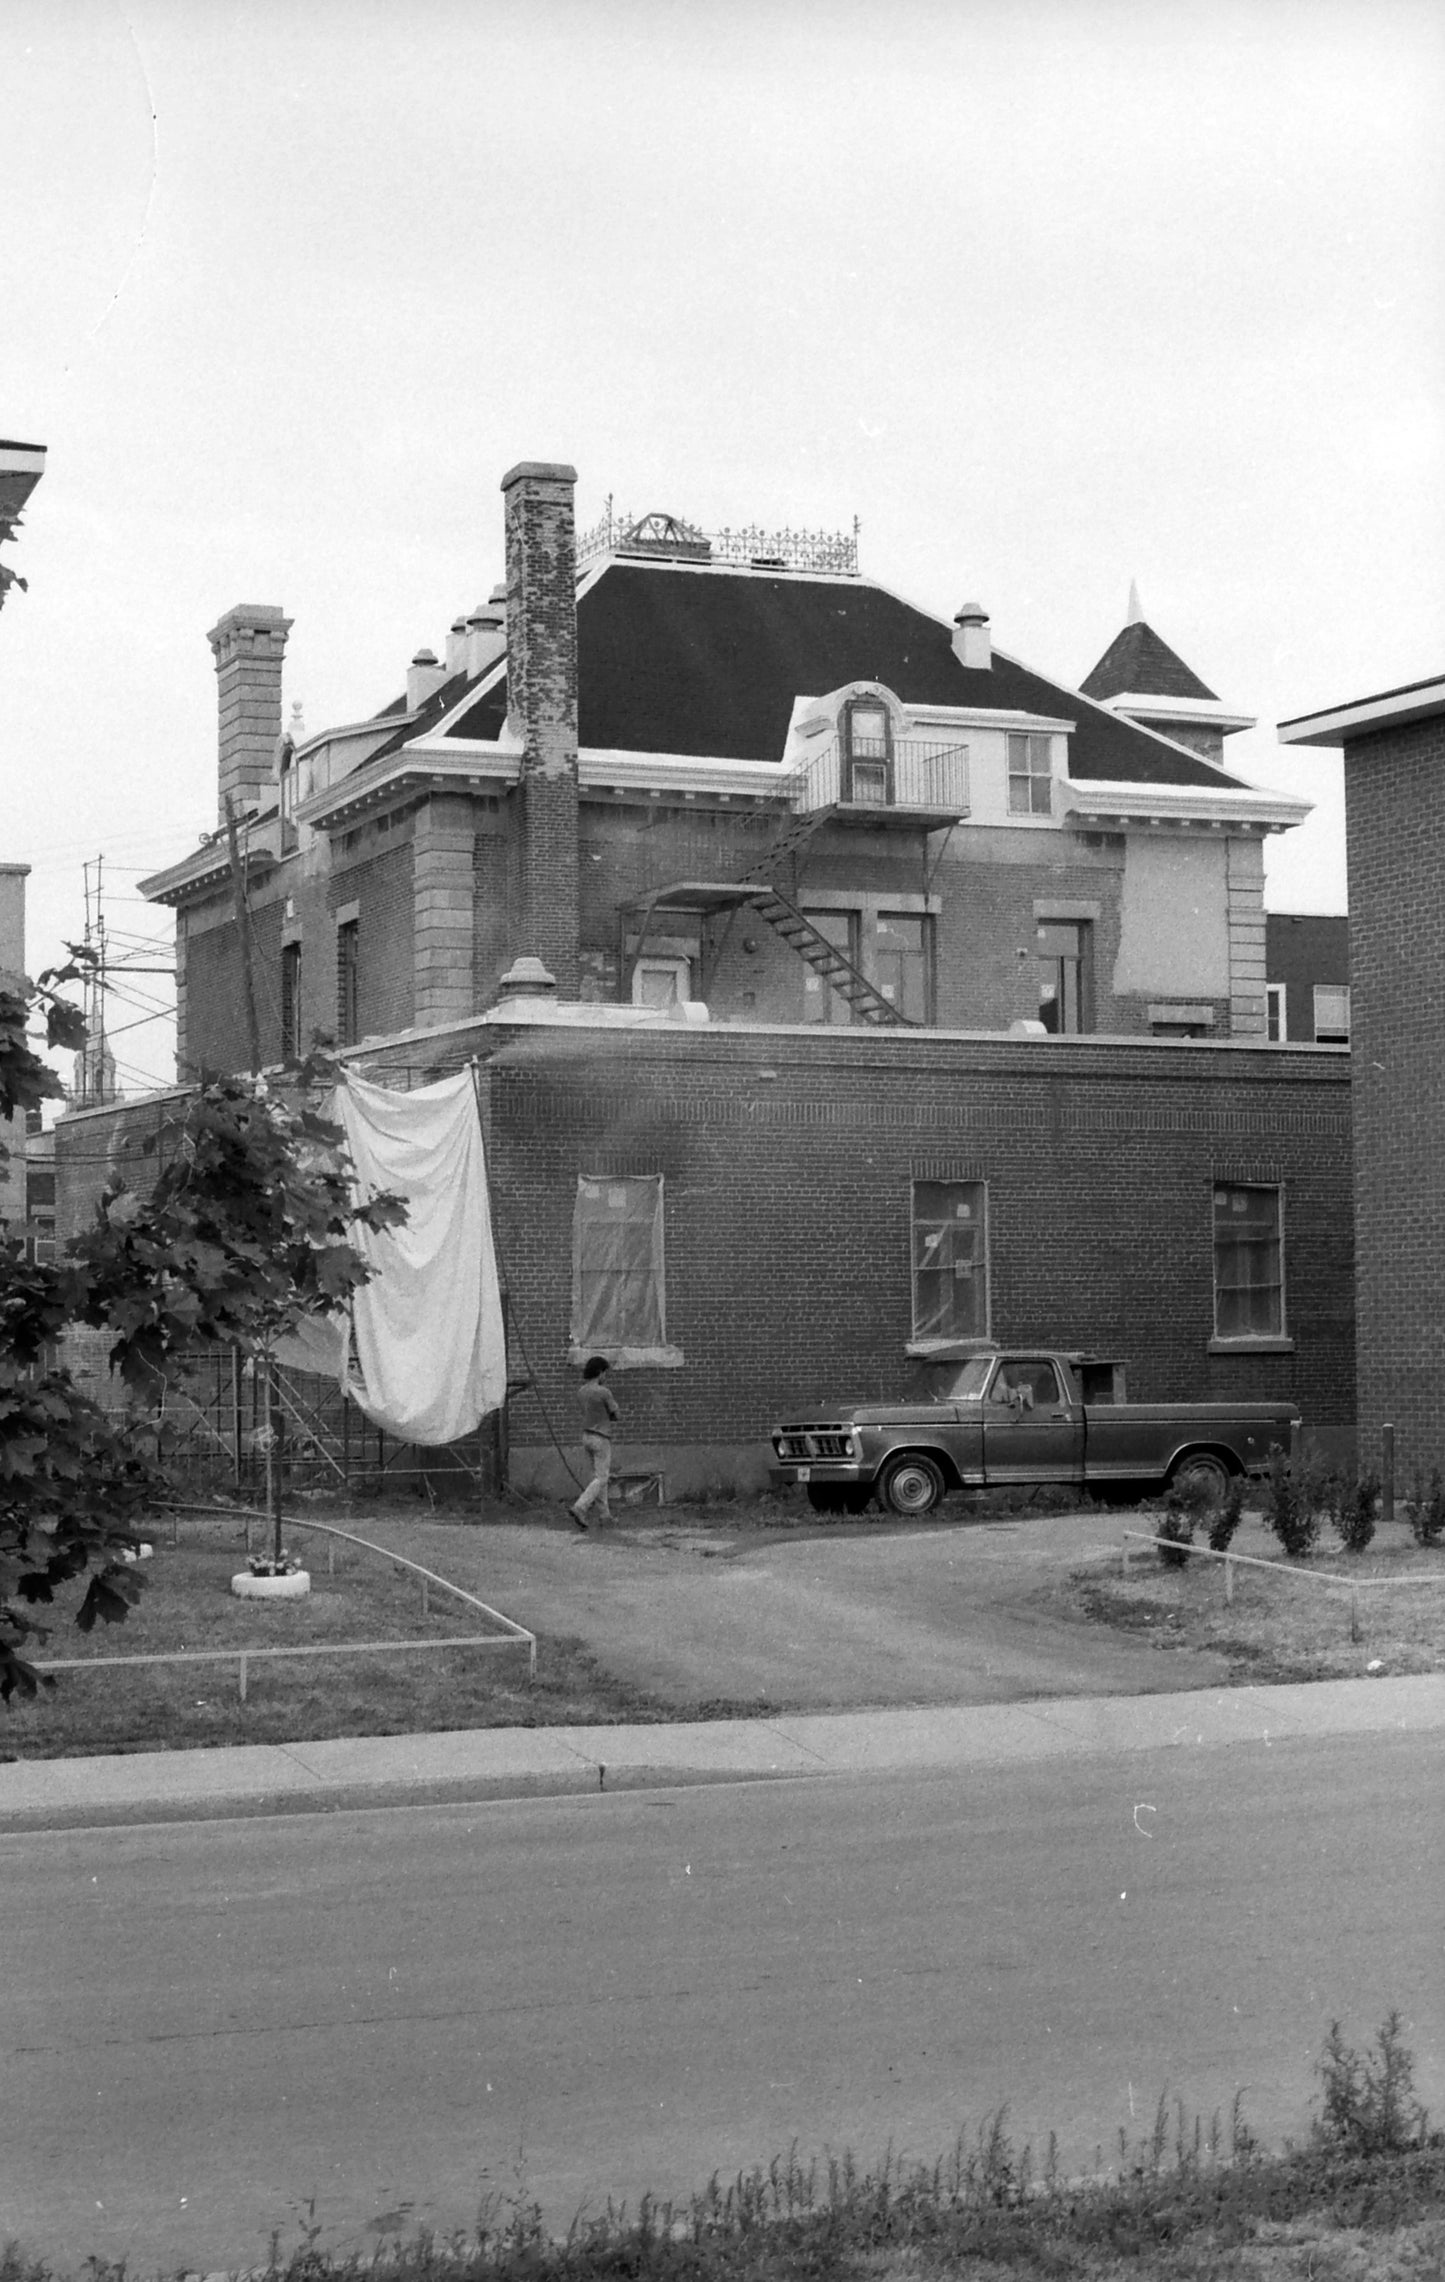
1425, 1509
1178, 1528
1354, 1516
1227, 1517
1369, 2106
1292, 1509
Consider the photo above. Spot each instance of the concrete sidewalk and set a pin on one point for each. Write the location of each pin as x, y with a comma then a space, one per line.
529, 1762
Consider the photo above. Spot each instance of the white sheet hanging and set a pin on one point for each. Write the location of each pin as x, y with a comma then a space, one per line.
428, 1326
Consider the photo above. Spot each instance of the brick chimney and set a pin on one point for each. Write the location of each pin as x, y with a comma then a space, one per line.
249, 644
542, 706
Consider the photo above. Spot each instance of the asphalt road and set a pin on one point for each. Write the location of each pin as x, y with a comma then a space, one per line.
398, 2013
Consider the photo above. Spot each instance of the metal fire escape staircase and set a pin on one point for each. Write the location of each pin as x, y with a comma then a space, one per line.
813, 794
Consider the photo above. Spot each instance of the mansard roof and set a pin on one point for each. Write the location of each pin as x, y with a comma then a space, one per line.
1139, 662
709, 662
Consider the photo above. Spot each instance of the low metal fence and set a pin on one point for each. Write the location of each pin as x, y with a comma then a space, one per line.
1357, 1585
509, 1634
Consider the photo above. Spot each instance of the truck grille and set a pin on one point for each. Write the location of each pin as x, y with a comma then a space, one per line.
815, 1442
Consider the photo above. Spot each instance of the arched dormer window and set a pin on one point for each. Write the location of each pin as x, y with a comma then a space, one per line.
868, 751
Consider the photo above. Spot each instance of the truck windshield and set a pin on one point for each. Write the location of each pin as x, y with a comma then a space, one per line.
954, 1382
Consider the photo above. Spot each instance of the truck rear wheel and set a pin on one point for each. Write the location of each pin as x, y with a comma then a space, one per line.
1204, 1466
911, 1485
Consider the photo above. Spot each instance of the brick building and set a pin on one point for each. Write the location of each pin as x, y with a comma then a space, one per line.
764, 1216
1394, 756
729, 770
837, 985
1307, 959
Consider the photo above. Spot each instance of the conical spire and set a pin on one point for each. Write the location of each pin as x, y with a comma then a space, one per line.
1136, 607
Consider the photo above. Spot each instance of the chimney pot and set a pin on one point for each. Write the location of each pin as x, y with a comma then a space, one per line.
456, 647
972, 644
485, 640
424, 677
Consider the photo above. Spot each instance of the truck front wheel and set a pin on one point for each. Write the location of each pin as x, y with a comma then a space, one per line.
911, 1485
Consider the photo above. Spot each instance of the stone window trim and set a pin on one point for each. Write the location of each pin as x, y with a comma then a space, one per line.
1049, 907
346, 913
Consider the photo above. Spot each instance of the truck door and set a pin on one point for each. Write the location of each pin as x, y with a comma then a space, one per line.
1031, 1433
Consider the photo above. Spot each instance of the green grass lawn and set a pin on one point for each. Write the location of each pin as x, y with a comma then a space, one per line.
188, 1605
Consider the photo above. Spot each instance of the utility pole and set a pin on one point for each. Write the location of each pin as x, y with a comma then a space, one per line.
275, 1424
243, 931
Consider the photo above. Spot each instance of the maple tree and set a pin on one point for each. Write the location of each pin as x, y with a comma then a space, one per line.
245, 1233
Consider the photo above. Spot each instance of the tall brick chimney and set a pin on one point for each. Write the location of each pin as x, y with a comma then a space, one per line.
249, 644
542, 705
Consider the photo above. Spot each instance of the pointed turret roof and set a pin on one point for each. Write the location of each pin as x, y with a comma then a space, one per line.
1141, 663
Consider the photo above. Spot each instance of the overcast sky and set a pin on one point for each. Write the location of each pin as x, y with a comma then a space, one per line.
1049, 296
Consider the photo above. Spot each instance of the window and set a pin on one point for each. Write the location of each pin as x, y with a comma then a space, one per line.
1332, 1014
869, 743
1276, 1020
1065, 978
1248, 1263
903, 954
820, 1002
1030, 776
950, 1260
348, 978
291, 1002
663, 981
617, 1271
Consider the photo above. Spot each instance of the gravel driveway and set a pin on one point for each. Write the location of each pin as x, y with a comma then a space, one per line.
940, 1613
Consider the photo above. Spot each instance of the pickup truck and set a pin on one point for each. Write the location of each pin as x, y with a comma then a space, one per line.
980, 1421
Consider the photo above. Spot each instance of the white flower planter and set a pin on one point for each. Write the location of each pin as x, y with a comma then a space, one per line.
292, 1588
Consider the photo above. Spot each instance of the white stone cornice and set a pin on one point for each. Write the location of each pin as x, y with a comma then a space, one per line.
1129, 805
1209, 710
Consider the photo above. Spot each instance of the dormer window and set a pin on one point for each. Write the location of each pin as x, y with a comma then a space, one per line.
1030, 777
868, 750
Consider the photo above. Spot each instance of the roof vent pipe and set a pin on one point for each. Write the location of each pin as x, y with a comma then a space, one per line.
424, 677
972, 645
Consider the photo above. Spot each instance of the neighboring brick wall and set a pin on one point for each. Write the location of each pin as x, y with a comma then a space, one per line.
1395, 833
788, 1199
1302, 949
217, 1031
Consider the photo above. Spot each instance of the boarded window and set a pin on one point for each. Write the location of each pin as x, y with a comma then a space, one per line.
617, 1281
1248, 1263
950, 1260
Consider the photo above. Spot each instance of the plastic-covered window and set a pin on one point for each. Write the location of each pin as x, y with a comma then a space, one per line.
950, 1260
617, 1263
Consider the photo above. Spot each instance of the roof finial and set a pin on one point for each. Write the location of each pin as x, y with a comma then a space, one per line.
1136, 607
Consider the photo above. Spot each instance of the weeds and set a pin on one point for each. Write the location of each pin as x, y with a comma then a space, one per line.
1228, 1515
1425, 1509
1354, 1514
1173, 1538
1296, 1492
1179, 2189
1368, 2107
